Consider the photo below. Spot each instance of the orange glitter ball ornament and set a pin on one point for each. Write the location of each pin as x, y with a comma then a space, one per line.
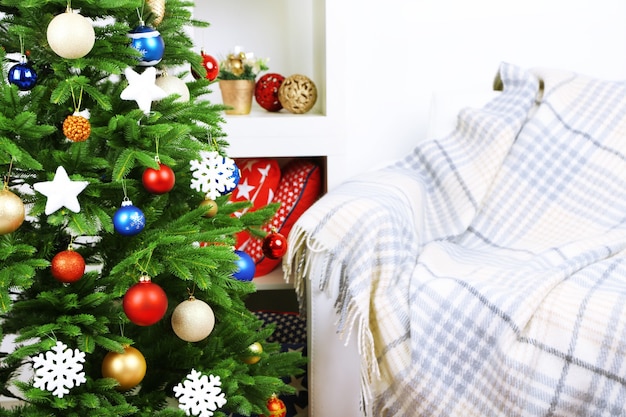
76, 128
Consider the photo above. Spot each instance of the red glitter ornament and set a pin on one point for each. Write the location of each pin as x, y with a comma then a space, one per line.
145, 303
276, 407
266, 91
67, 266
274, 245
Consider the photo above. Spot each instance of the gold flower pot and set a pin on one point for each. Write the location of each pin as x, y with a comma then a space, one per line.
237, 94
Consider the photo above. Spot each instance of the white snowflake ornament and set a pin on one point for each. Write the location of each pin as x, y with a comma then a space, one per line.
214, 174
59, 369
200, 395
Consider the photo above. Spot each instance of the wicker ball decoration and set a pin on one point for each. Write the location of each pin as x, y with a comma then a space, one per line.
297, 94
76, 128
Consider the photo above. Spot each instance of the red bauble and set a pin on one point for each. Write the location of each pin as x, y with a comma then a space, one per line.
158, 181
276, 407
274, 245
67, 266
145, 303
266, 91
211, 66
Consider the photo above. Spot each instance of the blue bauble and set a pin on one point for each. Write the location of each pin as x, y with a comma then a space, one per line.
128, 220
245, 265
236, 176
149, 42
23, 76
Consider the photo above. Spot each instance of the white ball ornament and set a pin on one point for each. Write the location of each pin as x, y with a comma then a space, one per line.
174, 85
193, 320
71, 35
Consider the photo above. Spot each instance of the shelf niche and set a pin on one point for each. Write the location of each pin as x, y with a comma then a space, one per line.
290, 33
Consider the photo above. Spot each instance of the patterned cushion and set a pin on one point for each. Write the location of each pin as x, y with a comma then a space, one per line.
300, 186
258, 184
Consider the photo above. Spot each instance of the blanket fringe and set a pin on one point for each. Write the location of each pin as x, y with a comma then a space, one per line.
297, 267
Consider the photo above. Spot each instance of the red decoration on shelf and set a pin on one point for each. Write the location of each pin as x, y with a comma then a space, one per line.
158, 181
145, 303
67, 266
274, 245
266, 91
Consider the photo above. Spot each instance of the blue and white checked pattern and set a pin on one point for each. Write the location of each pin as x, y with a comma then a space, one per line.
485, 274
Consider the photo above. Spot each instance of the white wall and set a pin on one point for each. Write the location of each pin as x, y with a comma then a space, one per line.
398, 52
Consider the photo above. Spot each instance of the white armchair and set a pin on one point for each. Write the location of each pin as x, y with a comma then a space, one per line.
484, 274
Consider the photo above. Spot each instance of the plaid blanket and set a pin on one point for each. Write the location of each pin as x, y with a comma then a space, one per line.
485, 274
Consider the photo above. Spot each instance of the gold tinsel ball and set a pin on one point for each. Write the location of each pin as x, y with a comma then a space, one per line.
297, 94
193, 320
76, 128
71, 35
12, 212
158, 9
127, 368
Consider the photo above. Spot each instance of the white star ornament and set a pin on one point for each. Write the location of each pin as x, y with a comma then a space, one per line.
142, 88
61, 191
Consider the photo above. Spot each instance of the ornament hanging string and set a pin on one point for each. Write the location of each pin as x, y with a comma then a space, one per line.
22, 52
191, 292
140, 13
80, 98
156, 157
6, 178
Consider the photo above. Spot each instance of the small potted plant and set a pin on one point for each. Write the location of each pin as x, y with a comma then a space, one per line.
237, 77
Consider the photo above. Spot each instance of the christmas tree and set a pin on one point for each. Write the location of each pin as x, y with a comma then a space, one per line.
117, 276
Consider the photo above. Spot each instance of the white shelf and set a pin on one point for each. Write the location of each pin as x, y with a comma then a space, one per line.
294, 35
272, 281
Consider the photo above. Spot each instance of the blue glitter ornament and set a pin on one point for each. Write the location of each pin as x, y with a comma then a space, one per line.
235, 177
23, 75
149, 42
128, 220
245, 265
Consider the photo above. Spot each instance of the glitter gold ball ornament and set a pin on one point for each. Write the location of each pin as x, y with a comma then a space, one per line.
212, 207
67, 266
128, 368
12, 211
76, 128
71, 35
276, 407
158, 9
297, 93
193, 320
253, 355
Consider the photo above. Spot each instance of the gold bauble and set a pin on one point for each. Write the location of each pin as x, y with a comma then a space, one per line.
254, 353
11, 212
158, 9
193, 320
297, 93
212, 207
127, 368
71, 35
